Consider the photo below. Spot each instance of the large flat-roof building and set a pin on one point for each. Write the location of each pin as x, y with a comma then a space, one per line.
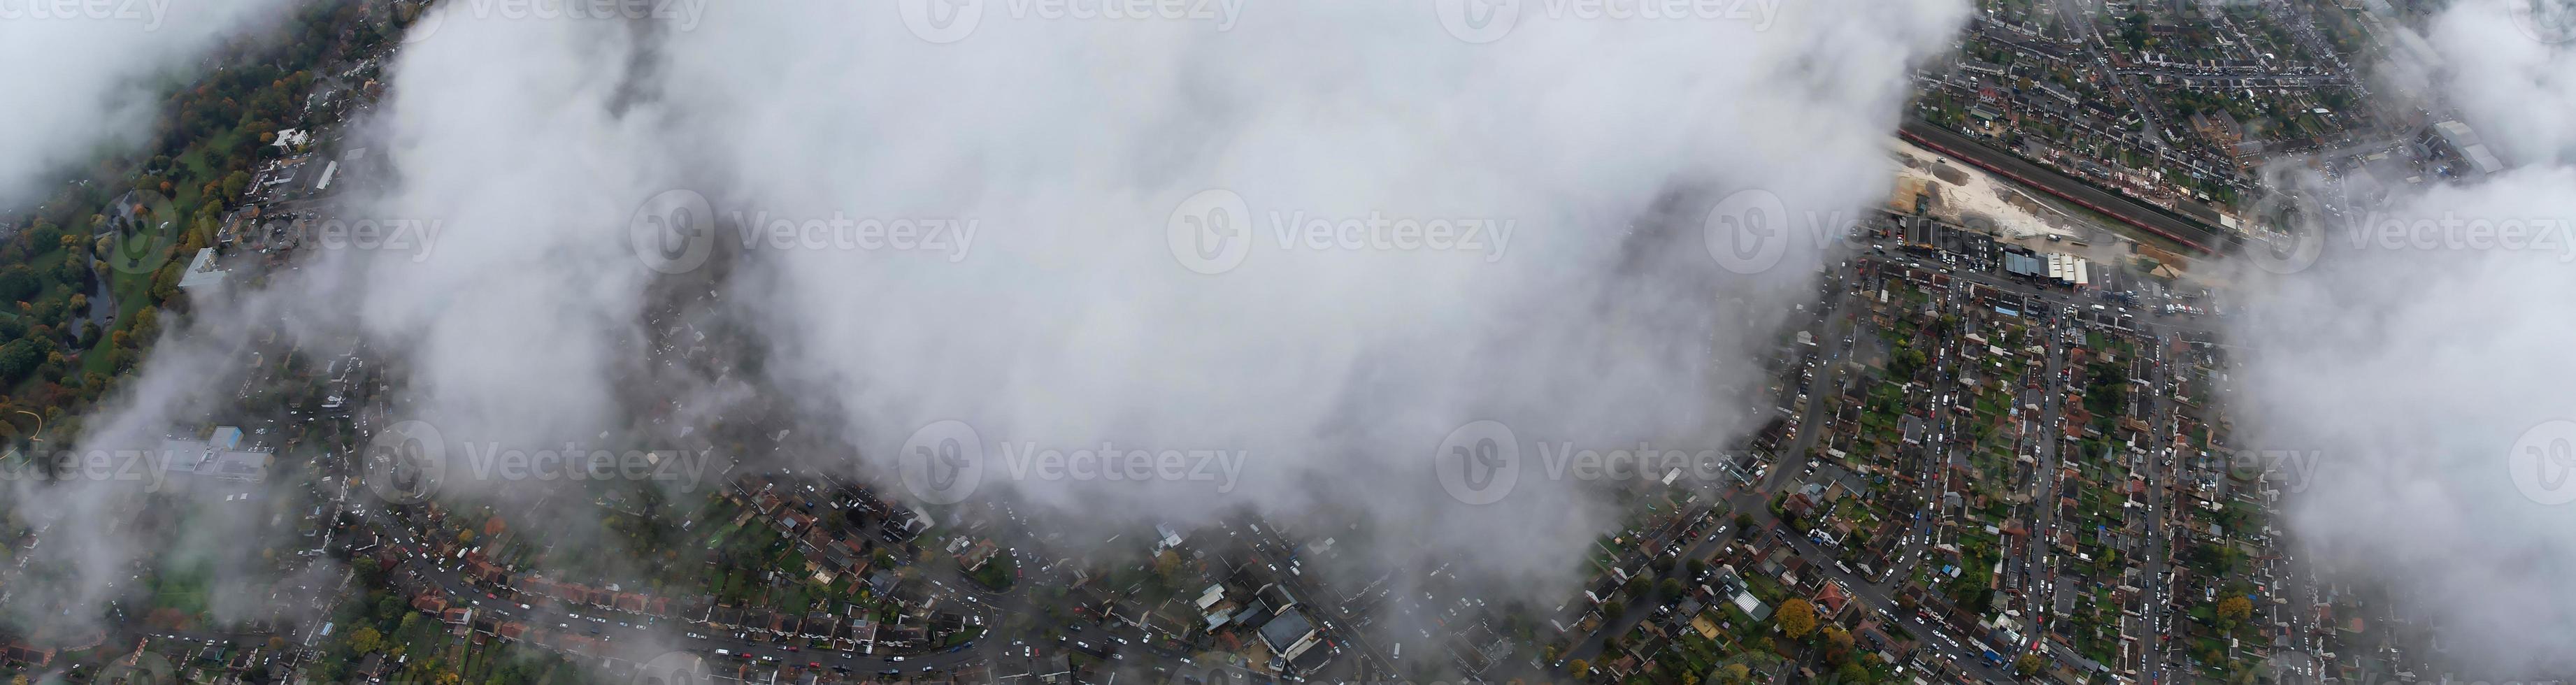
201, 274
1290, 634
2457, 142
218, 457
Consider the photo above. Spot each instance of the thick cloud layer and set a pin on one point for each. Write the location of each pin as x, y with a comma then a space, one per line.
1087, 157
2421, 353
1336, 372
87, 74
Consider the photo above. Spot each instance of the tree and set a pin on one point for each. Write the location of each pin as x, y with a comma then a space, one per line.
465, 537
2235, 610
17, 283
1579, 667
19, 357
1796, 617
2029, 664
365, 640
1735, 673
1613, 609
235, 183
1838, 643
